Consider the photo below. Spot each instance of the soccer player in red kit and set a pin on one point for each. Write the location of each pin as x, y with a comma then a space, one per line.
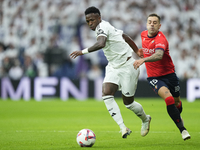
161, 71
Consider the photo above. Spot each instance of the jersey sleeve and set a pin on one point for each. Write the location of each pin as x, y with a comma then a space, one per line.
102, 30
161, 43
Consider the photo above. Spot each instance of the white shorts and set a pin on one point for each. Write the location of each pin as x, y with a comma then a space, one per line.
126, 77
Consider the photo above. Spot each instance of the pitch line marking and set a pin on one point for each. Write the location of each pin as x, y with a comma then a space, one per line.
64, 131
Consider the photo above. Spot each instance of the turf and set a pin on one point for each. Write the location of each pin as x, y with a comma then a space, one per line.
54, 124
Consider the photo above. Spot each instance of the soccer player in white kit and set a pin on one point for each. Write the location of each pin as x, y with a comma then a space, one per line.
120, 73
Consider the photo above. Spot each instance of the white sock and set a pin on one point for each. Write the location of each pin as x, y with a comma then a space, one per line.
138, 110
114, 110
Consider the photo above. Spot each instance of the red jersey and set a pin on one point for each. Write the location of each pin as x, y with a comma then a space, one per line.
149, 45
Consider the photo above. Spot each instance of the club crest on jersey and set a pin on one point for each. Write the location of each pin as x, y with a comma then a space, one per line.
152, 41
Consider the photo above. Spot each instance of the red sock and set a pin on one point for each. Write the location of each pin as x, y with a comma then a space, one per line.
174, 113
169, 100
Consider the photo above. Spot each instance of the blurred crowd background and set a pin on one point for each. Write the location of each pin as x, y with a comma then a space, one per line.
37, 36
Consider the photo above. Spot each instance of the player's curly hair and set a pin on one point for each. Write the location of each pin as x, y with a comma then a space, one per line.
92, 10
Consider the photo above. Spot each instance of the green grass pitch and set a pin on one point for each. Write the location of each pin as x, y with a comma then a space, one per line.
54, 124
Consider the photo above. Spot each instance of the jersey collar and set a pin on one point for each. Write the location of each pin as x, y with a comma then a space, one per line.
152, 36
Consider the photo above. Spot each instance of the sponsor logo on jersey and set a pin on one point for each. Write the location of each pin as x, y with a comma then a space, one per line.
160, 45
148, 51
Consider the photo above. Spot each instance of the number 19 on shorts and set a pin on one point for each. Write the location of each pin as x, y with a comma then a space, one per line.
154, 82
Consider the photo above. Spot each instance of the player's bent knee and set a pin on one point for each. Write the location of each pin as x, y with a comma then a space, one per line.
128, 100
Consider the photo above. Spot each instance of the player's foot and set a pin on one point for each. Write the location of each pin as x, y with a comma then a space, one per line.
146, 126
125, 132
185, 135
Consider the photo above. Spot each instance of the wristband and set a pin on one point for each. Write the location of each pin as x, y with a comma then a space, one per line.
85, 51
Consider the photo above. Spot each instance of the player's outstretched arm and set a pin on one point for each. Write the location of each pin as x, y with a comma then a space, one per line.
158, 55
132, 44
101, 42
155, 57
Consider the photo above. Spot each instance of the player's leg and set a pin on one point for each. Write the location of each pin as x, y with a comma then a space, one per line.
128, 81
110, 86
108, 91
139, 111
172, 110
135, 107
173, 85
165, 87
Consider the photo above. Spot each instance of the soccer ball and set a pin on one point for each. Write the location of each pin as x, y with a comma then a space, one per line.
86, 138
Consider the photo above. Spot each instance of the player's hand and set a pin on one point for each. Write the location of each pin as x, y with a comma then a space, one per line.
75, 54
140, 53
138, 63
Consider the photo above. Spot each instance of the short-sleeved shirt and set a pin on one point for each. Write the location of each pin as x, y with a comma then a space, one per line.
116, 49
149, 46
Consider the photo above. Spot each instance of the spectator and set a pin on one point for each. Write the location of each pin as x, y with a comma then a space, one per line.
30, 69
15, 72
41, 21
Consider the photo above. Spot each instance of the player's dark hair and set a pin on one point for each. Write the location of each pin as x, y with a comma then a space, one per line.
154, 15
91, 10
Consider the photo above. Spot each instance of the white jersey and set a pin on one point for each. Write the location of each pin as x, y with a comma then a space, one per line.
116, 50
